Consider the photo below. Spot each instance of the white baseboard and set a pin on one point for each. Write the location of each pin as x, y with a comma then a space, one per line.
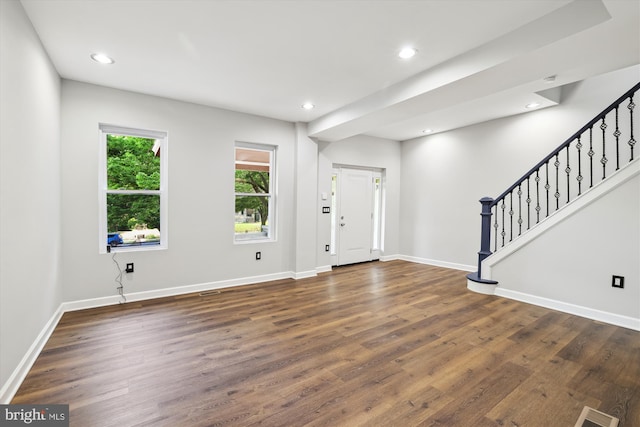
385, 258
437, 263
178, 290
11, 386
324, 269
481, 288
304, 274
565, 307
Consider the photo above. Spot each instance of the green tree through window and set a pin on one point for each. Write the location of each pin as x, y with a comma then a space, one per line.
132, 164
253, 182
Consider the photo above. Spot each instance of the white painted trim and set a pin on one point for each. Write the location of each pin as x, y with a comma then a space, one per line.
437, 263
385, 258
304, 274
565, 307
11, 386
324, 269
588, 197
103, 191
481, 288
168, 292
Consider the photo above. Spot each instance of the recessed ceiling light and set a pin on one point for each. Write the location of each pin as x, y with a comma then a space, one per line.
102, 58
532, 105
427, 130
308, 106
407, 52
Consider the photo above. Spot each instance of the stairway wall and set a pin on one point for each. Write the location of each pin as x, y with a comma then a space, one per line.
572, 262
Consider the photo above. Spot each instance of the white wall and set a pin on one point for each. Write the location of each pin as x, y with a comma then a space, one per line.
201, 203
30, 256
362, 151
573, 262
444, 175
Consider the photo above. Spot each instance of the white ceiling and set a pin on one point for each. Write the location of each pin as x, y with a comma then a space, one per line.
477, 59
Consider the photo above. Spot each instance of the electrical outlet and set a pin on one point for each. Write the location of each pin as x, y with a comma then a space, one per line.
617, 281
129, 268
258, 255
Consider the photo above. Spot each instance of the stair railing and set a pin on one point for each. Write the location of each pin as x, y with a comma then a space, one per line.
559, 178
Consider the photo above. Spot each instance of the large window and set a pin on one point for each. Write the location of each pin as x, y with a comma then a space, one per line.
132, 189
254, 192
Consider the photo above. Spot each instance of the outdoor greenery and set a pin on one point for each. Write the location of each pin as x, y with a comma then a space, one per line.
253, 182
247, 227
132, 165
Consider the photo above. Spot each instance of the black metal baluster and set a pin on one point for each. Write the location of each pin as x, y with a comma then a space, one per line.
604, 159
568, 171
579, 177
538, 195
495, 230
528, 204
519, 209
632, 141
547, 187
617, 134
511, 216
503, 233
557, 193
591, 153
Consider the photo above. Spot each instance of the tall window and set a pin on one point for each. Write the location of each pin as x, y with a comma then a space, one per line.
254, 192
132, 188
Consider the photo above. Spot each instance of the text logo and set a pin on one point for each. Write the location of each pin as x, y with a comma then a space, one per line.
34, 415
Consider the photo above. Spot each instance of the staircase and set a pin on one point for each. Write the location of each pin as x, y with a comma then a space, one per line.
569, 176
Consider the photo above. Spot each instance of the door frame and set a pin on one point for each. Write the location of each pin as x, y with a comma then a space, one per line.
377, 223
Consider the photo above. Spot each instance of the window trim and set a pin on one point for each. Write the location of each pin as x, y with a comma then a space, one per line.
272, 194
163, 138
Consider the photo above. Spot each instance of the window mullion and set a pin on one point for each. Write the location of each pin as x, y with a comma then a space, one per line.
141, 192
254, 194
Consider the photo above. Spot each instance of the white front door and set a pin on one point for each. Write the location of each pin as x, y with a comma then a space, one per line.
354, 222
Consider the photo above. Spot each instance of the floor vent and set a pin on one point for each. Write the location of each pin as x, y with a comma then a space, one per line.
592, 418
209, 293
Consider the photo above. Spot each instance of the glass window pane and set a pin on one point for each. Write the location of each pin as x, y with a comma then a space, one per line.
133, 163
133, 219
251, 182
252, 217
334, 211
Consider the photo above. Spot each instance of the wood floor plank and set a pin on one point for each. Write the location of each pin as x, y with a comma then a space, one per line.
470, 408
375, 344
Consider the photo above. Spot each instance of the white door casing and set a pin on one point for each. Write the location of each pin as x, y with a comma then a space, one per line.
354, 222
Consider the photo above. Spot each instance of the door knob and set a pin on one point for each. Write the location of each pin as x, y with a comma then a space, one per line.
342, 224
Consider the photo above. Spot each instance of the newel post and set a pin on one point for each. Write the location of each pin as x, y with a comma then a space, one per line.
485, 234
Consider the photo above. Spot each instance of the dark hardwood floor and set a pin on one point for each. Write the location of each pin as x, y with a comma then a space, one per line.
376, 344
